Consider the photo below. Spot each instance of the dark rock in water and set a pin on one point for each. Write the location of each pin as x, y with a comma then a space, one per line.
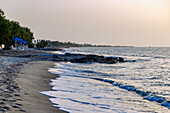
78, 60
121, 59
83, 58
65, 59
55, 56
111, 60
68, 54
95, 58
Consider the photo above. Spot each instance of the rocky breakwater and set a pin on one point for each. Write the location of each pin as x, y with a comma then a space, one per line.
82, 58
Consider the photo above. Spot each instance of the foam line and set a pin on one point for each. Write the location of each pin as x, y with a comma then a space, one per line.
146, 95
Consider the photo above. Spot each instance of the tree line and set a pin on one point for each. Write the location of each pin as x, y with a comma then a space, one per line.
10, 29
71, 44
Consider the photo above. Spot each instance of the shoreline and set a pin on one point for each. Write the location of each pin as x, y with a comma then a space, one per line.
25, 73
32, 79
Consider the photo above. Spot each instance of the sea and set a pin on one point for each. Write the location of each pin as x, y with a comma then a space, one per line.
141, 84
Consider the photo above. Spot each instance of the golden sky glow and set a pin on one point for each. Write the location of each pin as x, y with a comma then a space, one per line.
115, 22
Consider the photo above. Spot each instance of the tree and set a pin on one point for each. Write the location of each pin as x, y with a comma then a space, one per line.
2, 26
10, 29
42, 44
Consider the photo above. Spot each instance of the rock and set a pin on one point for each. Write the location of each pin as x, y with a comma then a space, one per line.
78, 60
68, 54
55, 56
96, 58
121, 59
111, 60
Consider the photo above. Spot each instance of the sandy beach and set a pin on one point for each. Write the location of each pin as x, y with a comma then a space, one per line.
23, 74
34, 78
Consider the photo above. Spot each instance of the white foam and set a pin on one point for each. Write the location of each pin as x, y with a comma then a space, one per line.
79, 95
59, 52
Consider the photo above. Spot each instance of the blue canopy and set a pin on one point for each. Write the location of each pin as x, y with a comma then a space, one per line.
24, 42
21, 41
17, 39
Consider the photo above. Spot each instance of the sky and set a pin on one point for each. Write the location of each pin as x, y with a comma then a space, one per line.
110, 22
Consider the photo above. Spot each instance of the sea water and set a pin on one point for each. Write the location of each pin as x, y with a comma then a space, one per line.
141, 84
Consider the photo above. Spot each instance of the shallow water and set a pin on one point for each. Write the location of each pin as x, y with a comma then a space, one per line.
142, 84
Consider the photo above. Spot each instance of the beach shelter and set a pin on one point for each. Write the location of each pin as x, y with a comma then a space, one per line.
19, 40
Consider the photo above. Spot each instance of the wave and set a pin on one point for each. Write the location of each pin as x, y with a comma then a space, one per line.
160, 57
151, 96
146, 95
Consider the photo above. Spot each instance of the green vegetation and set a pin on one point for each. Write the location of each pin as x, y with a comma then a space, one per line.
42, 44
71, 44
10, 29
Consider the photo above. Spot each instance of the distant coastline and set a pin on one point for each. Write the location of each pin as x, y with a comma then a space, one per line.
73, 44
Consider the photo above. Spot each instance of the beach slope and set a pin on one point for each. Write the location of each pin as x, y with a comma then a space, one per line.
34, 78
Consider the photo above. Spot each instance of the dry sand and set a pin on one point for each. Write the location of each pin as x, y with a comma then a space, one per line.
34, 78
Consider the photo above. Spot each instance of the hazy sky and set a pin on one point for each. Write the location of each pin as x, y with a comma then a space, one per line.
114, 22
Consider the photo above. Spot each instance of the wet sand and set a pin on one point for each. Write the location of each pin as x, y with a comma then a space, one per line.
34, 78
